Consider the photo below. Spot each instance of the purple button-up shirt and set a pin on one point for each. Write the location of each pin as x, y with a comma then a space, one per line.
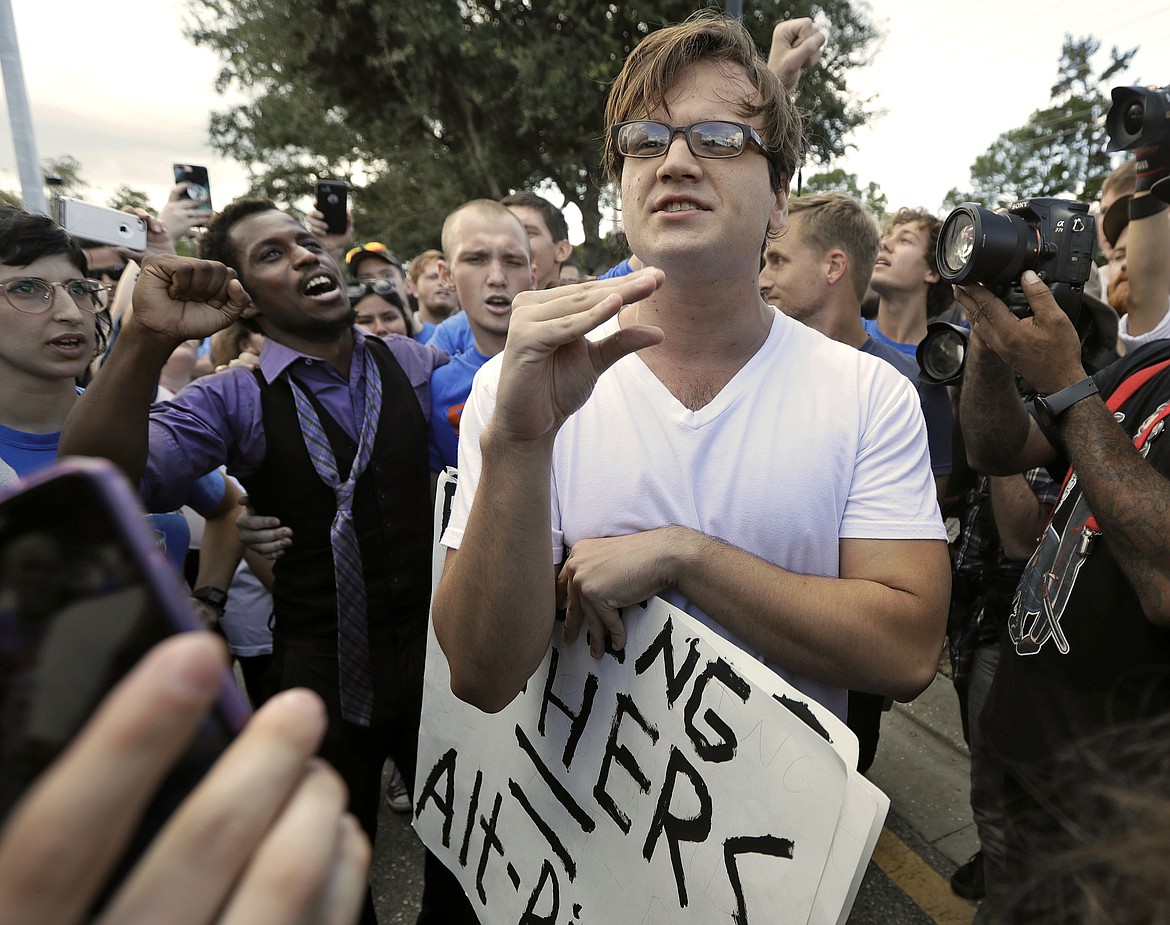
217, 419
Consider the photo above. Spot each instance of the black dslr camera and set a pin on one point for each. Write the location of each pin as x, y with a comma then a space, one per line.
1054, 237
1139, 117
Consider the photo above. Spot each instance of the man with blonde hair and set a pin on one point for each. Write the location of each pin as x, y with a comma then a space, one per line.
827, 559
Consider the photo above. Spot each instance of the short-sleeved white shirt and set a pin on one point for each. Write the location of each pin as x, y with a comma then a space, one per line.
811, 442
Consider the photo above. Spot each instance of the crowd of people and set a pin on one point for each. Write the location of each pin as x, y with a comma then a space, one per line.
783, 473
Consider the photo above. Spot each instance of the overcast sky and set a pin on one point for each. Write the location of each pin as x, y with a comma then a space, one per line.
118, 87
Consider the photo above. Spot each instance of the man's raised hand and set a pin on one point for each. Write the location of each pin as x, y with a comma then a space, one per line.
796, 46
550, 367
182, 298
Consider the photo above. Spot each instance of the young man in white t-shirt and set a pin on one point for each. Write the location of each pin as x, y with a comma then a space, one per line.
771, 482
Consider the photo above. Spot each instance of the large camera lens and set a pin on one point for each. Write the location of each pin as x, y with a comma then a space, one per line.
943, 352
956, 243
980, 246
1133, 118
1139, 116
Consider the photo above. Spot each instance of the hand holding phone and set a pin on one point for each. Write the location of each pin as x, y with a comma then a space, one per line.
333, 204
118, 765
291, 828
101, 224
198, 188
180, 215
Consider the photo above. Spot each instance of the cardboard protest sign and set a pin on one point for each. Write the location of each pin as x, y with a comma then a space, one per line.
679, 781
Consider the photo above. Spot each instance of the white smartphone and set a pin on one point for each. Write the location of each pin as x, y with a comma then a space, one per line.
102, 224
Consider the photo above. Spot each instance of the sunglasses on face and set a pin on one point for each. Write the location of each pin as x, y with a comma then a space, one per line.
114, 273
363, 287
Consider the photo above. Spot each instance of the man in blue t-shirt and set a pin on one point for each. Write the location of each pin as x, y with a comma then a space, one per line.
905, 276
434, 295
488, 262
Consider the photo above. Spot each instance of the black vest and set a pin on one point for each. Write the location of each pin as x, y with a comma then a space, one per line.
391, 508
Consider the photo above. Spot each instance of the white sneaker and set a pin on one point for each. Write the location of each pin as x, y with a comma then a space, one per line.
397, 796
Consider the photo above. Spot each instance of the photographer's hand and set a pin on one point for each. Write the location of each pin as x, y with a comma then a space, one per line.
181, 214
1000, 435
1044, 348
158, 241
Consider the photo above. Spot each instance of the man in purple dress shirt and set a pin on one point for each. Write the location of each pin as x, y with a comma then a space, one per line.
275, 275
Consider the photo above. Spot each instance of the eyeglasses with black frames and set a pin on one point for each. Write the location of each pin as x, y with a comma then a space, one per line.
33, 295
648, 138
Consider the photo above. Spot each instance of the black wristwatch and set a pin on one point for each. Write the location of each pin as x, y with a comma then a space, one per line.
1051, 408
215, 598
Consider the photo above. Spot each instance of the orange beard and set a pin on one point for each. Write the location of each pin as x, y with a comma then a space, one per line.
1118, 293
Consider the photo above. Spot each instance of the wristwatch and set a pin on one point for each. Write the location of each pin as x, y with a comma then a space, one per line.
215, 598
1051, 408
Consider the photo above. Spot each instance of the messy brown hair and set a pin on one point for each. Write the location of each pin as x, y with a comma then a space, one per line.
653, 69
939, 296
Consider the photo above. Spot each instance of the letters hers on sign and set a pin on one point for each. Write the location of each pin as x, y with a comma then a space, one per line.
677, 781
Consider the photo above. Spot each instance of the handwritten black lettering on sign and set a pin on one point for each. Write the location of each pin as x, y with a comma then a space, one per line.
592, 798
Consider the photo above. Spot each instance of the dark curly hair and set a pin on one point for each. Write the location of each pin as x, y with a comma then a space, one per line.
216, 241
28, 236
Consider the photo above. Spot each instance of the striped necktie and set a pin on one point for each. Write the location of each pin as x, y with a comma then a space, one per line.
353, 640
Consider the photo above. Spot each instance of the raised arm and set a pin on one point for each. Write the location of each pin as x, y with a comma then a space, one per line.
175, 299
1000, 435
796, 46
1129, 497
495, 606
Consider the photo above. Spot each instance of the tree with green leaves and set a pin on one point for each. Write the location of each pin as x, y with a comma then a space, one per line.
64, 174
128, 197
837, 179
423, 104
1060, 151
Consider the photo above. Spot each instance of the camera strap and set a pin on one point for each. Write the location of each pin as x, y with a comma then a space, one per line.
1119, 397
1145, 206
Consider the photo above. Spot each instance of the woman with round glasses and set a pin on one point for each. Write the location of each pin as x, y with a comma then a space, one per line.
52, 319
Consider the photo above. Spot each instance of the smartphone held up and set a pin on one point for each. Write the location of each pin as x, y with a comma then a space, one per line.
85, 592
101, 224
198, 187
333, 203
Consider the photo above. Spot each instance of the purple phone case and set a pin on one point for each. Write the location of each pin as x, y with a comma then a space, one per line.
111, 490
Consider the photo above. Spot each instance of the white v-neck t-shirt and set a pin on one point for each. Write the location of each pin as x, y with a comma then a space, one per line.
811, 442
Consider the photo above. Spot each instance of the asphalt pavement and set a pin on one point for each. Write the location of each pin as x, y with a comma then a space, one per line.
922, 765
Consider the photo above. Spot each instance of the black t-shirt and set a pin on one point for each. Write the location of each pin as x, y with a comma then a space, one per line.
1081, 655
